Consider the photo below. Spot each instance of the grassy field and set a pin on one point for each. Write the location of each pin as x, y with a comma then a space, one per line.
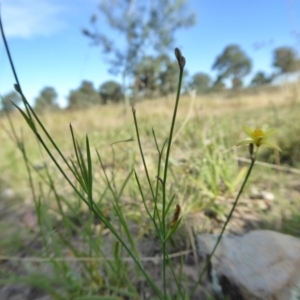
44, 218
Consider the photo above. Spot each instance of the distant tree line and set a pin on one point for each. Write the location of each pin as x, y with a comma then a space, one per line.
157, 76
141, 58
150, 28
83, 97
234, 64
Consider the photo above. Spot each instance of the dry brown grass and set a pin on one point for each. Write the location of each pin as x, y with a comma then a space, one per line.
110, 123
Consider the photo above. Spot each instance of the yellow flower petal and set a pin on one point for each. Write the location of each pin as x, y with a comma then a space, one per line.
270, 145
258, 137
248, 130
244, 142
270, 132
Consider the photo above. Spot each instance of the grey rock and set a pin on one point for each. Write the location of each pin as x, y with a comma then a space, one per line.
259, 265
7, 194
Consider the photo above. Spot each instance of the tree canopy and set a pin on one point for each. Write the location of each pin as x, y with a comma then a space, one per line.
260, 78
145, 28
218, 85
8, 101
156, 76
232, 63
85, 96
111, 91
286, 60
201, 82
46, 101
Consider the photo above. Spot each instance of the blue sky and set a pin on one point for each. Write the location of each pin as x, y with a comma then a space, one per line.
49, 50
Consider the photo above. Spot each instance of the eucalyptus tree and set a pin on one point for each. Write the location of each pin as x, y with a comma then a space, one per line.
201, 82
9, 100
83, 97
232, 63
286, 60
260, 78
136, 29
47, 100
111, 91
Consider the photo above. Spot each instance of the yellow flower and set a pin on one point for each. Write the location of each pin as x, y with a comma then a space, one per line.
258, 137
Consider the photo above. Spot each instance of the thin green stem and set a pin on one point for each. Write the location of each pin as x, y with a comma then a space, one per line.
160, 155
170, 143
225, 224
141, 151
165, 180
152, 217
134, 253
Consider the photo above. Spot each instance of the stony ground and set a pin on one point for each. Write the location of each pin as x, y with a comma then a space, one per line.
248, 215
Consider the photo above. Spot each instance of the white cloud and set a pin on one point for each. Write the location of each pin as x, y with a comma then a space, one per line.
30, 18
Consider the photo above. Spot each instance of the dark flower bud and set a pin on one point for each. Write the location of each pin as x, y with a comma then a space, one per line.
180, 58
17, 88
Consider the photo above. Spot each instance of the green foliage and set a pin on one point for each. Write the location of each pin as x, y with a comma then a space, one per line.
201, 82
146, 74
291, 224
46, 101
260, 78
155, 76
288, 139
232, 63
218, 85
168, 76
237, 83
143, 29
84, 97
111, 91
286, 60
8, 101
